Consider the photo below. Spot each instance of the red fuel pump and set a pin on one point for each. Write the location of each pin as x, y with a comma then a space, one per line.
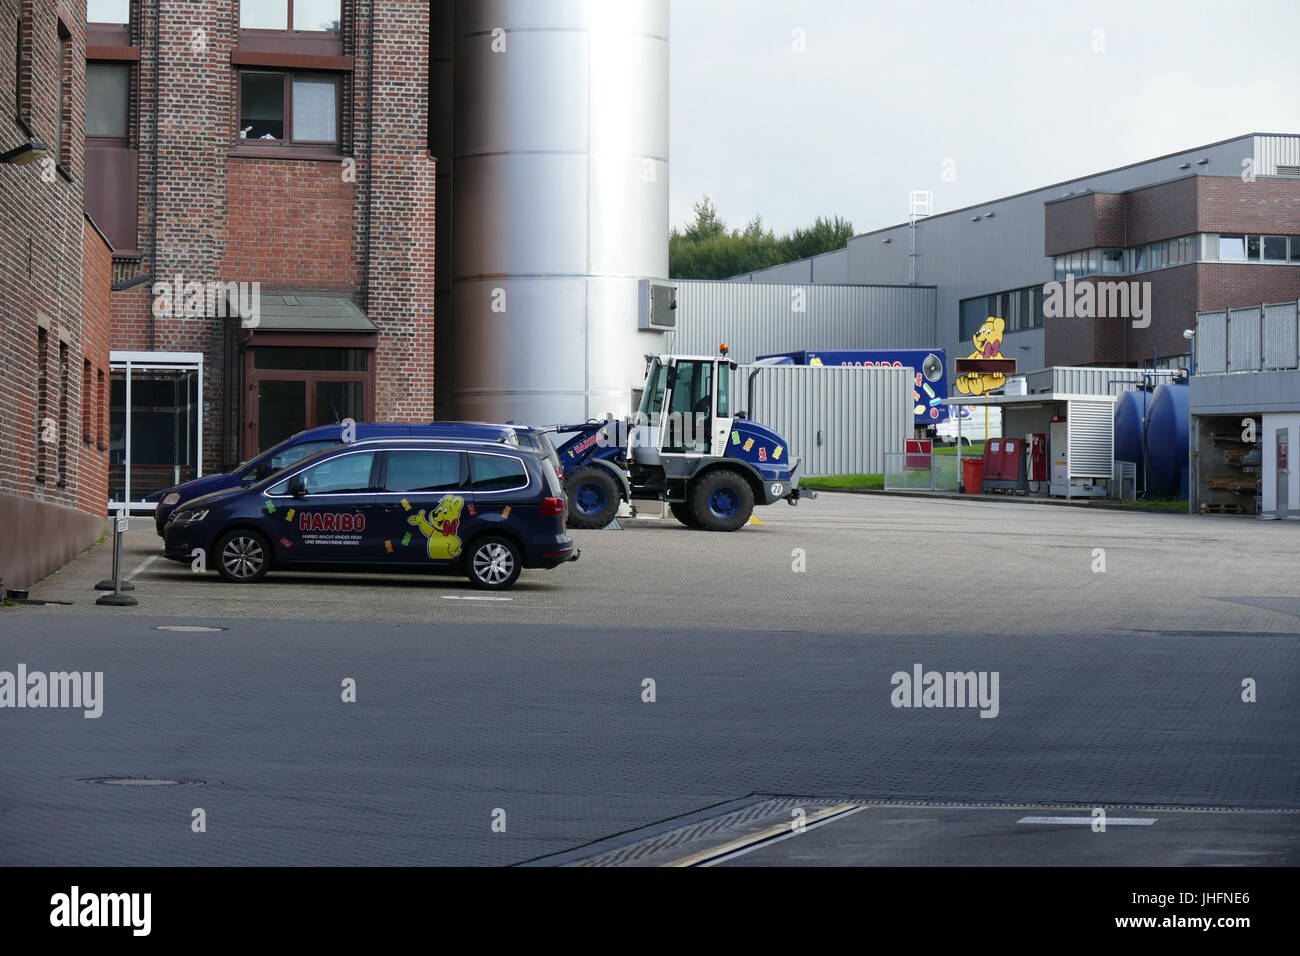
1037, 457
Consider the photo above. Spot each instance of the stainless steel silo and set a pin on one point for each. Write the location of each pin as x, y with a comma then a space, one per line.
560, 205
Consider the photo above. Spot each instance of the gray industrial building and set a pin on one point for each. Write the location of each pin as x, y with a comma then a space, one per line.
1245, 411
993, 258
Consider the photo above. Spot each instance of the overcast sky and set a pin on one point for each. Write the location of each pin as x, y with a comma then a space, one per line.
1011, 92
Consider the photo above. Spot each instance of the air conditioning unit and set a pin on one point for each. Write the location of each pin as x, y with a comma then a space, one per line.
658, 310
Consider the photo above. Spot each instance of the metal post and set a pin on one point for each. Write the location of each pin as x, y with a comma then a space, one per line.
117, 598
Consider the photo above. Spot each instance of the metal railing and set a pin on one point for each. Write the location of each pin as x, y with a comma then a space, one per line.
908, 471
1258, 338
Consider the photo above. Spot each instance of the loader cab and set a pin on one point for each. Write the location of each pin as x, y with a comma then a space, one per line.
686, 407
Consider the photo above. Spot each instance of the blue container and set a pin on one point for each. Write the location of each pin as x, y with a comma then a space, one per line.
1168, 423
1130, 418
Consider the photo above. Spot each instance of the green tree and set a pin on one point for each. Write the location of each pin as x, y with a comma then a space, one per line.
706, 249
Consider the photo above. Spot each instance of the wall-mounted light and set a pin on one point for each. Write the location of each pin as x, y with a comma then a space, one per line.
989, 215
24, 155
1202, 162
1189, 334
886, 240
1184, 165
974, 218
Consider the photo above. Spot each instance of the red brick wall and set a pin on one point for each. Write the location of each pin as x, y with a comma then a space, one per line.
43, 239
1161, 212
1237, 284
93, 434
1226, 204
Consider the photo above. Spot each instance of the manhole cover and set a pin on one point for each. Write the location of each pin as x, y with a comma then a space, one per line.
188, 628
141, 782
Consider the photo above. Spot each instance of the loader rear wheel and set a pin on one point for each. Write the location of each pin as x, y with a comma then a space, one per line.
682, 512
721, 501
593, 497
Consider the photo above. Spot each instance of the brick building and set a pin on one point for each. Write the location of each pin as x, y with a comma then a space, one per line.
54, 277
1208, 226
263, 173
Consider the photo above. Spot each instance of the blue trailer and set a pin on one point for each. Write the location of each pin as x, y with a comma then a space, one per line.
930, 390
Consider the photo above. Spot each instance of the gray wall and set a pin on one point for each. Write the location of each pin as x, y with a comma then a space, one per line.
841, 421
964, 259
760, 318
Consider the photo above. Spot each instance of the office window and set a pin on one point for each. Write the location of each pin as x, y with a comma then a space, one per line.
108, 11
1252, 248
1112, 262
973, 313
289, 107
1274, 248
108, 97
303, 16
1295, 248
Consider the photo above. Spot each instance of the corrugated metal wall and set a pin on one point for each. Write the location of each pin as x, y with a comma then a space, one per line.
1092, 439
1282, 335
1274, 151
1211, 342
1083, 380
841, 421
1252, 339
761, 318
1244, 339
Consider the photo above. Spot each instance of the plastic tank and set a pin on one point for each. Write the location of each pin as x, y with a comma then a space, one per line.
559, 203
1168, 422
1130, 415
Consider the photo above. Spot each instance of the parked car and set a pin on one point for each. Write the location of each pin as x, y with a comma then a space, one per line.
479, 508
313, 440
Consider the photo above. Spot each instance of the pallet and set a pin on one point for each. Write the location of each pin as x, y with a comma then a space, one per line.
1223, 509
1233, 483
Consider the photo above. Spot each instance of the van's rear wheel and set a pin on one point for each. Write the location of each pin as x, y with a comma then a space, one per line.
721, 501
593, 497
494, 564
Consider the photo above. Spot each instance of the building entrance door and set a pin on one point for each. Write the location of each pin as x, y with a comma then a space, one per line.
292, 389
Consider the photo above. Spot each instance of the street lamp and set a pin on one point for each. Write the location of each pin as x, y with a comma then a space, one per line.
24, 155
1190, 336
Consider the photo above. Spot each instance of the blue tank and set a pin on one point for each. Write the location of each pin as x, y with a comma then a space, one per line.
1130, 418
1168, 422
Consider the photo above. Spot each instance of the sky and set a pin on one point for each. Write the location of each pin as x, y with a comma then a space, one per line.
971, 99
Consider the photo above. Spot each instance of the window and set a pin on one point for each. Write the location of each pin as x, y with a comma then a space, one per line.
284, 458
724, 391
497, 473
1274, 248
289, 107
63, 413
418, 471
347, 474
287, 358
1295, 248
311, 16
42, 403
101, 412
87, 402
108, 97
64, 119
1232, 248
1252, 248
108, 11
1112, 262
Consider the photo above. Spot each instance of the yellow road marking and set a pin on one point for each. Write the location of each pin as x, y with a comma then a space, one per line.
741, 842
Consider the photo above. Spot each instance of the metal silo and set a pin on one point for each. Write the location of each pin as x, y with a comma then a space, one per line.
560, 193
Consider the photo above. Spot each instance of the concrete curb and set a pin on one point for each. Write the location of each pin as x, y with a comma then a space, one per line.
1018, 499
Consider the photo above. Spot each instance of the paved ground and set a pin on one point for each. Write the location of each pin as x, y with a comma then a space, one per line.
1115, 688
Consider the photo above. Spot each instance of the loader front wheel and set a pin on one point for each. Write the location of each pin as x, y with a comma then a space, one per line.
682, 512
721, 501
593, 497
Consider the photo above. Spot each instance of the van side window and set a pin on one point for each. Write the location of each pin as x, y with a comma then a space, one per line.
496, 473
346, 474
425, 471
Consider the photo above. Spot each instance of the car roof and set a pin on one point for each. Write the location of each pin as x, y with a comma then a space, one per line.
403, 429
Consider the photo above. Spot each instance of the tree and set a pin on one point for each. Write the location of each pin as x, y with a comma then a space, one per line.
706, 249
